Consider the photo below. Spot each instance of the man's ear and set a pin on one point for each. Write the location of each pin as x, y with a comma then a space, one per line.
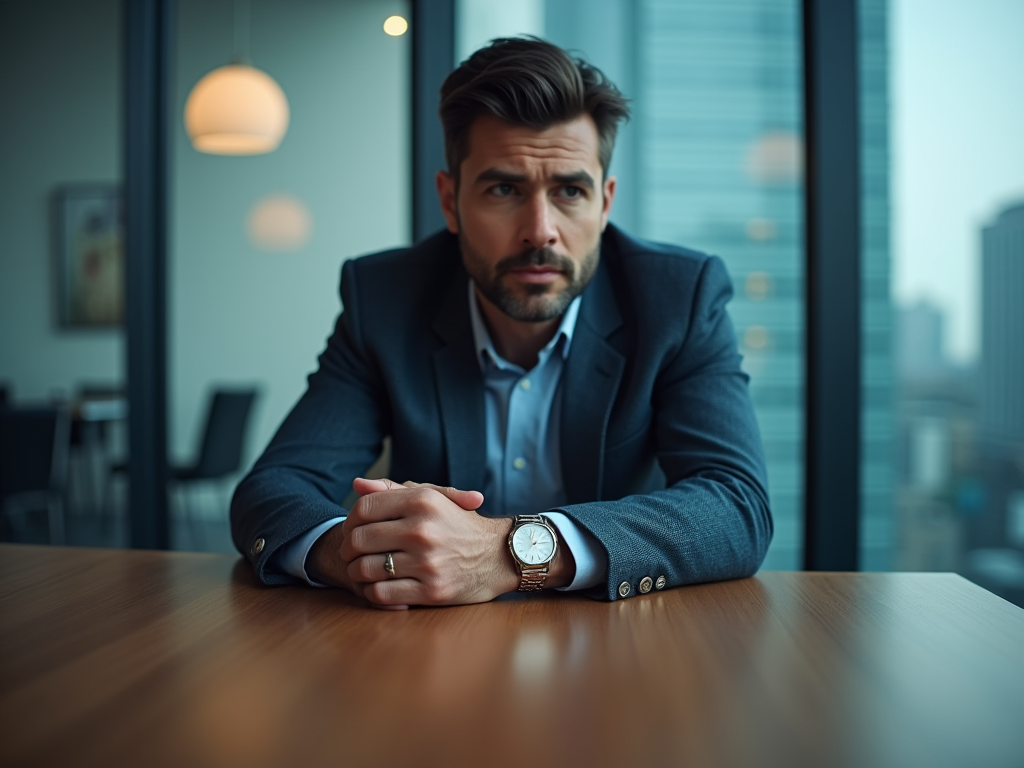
609, 196
445, 183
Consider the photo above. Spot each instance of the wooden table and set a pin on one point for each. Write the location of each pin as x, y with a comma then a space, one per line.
143, 658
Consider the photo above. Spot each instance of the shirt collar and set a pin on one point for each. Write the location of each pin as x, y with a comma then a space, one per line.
485, 348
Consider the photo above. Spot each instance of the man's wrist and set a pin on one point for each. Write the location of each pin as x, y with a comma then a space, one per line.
324, 563
507, 573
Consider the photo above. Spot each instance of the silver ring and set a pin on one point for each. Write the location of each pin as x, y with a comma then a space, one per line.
389, 564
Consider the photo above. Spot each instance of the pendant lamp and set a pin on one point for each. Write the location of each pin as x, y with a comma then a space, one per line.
237, 109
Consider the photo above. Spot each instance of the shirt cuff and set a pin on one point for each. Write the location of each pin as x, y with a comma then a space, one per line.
590, 557
291, 558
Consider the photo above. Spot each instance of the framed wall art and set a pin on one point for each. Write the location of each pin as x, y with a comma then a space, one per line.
89, 255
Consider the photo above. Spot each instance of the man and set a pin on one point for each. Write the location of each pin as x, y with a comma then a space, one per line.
532, 362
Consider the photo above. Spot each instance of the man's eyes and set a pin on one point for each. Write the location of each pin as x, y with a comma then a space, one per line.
569, 191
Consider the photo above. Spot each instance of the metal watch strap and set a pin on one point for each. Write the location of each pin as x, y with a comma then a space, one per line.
530, 579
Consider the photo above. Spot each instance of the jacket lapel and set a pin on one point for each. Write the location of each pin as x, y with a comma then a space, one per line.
460, 389
590, 382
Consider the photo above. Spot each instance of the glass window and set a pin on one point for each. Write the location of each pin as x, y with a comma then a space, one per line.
943, 469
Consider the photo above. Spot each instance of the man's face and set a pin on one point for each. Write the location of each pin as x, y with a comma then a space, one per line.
529, 212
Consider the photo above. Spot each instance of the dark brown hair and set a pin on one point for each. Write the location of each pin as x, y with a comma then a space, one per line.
527, 81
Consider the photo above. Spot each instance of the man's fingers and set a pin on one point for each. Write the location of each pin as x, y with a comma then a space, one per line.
364, 486
375, 538
369, 568
468, 500
395, 592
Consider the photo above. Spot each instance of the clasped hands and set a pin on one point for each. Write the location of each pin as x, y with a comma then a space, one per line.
444, 552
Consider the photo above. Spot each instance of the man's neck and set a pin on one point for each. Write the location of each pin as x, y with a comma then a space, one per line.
517, 341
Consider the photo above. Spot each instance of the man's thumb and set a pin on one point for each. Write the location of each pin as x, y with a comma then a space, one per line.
468, 500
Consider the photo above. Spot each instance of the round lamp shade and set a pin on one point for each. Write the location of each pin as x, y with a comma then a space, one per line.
236, 110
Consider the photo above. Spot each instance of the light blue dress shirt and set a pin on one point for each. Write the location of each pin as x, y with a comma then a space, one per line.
524, 469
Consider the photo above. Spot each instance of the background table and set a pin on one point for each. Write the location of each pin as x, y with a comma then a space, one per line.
143, 658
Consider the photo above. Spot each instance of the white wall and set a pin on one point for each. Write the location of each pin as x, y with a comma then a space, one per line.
236, 314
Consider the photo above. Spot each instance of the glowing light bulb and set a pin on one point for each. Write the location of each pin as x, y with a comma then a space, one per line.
395, 26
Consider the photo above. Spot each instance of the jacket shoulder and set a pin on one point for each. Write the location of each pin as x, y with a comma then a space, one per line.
401, 273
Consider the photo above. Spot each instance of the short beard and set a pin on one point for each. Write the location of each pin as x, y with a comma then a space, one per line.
538, 305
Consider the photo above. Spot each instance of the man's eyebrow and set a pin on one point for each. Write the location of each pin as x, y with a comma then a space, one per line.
582, 178
496, 174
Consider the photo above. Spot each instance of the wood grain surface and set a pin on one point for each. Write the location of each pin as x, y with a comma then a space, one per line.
114, 657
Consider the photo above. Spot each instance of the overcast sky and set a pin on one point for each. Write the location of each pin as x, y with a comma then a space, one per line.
957, 147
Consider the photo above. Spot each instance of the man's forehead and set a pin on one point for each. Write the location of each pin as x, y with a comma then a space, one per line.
563, 147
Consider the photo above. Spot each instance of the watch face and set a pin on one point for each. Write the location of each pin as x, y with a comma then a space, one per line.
533, 544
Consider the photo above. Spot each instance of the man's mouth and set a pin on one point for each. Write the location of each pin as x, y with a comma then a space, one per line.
535, 274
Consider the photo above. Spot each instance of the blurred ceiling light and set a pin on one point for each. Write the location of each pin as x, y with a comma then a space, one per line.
395, 26
280, 223
776, 158
237, 109
761, 229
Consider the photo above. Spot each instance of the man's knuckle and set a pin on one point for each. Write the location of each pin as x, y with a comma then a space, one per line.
420, 534
357, 539
442, 591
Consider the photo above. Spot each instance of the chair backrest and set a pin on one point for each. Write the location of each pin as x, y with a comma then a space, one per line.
33, 450
227, 420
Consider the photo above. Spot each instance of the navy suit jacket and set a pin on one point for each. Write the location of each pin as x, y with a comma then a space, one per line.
661, 455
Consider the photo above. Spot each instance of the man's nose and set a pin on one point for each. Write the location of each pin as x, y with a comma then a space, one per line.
537, 228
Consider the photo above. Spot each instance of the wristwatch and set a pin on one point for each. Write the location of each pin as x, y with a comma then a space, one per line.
533, 544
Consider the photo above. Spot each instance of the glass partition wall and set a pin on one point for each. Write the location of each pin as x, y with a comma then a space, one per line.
712, 161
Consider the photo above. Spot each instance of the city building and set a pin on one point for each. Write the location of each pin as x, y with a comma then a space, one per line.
1002, 331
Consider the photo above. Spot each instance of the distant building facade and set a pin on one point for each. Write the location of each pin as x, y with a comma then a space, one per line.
1001, 394
920, 350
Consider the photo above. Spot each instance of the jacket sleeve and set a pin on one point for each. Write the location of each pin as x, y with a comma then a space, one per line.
712, 521
333, 434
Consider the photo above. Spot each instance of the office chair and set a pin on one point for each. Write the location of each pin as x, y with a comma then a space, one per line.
34, 462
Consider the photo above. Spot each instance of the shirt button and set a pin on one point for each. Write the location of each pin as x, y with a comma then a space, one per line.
524, 385
519, 463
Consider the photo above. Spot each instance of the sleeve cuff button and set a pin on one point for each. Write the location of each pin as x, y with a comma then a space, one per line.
624, 589
660, 583
257, 547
